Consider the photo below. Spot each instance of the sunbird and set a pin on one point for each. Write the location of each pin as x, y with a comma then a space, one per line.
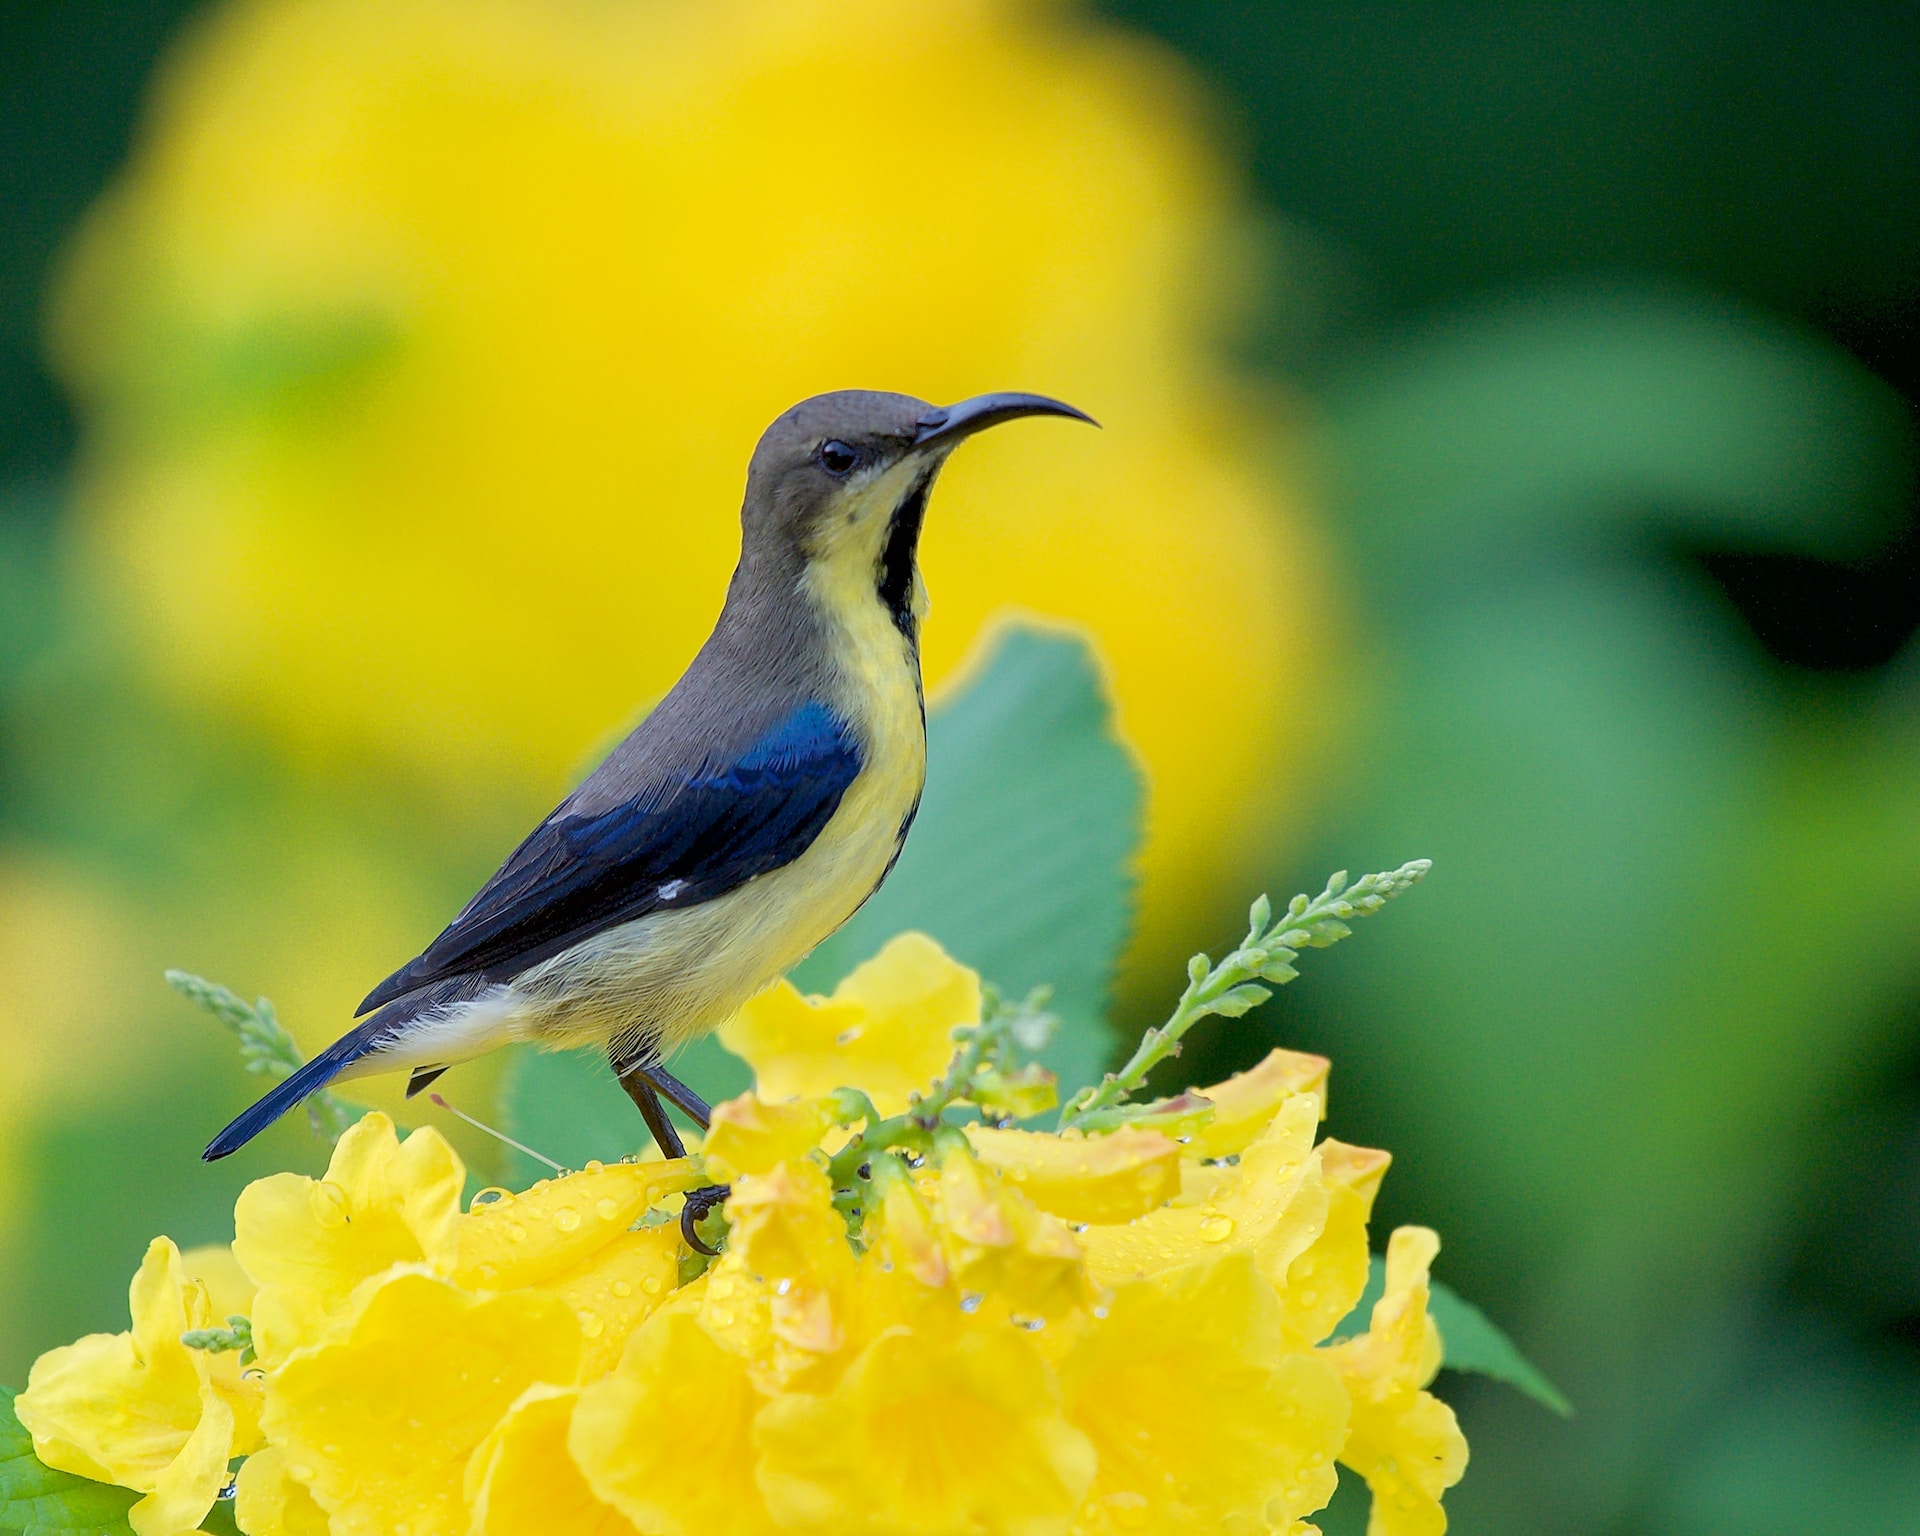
746, 818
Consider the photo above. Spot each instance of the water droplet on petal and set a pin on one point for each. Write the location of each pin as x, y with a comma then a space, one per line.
594, 1165
606, 1208
1216, 1229
516, 1233
651, 1285
722, 1317
783, 1287
591, 1325
331, 1204
493, 1194
970, 1302
621, 1288
567, 1219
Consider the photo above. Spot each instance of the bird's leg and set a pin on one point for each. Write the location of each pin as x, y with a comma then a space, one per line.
676, 1093
654, 1113
645, 1082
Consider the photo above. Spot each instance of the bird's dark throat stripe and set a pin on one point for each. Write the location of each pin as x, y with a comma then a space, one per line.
896, 558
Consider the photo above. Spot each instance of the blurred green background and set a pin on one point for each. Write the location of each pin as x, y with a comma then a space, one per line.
1587, 341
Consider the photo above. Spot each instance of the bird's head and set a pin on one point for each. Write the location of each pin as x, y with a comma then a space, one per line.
840, 482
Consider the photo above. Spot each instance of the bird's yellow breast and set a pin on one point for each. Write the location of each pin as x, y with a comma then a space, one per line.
677, 974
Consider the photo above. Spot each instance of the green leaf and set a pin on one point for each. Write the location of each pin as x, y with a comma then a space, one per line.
1469, 1340
1019, 864
220, 1521
566, 1106
36, 1500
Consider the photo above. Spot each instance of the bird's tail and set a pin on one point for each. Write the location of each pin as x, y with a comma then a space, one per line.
309, 1079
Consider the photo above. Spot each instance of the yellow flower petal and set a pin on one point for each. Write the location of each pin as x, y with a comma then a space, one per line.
1404, 1441
667, 1438
1201, 1417
269, 1501
187, 1486
750, 1134
771, 1297
887, 1029
1324, 1283
928, 1433
380, 1421
228, 1287
523, 1479
1245, 1104
1273, 1203
308, 1243
1108, 1178
1003, 1247
618, 1289
229, 1293
530, 1238
138, 1408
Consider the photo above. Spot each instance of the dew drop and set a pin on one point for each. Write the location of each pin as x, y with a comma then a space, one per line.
566, 1219
651, 1285
493, 1194
621, 1288
516, 1233
722, 1317
1216, 1229
785, 1285
227, 1489
1100, 1312
594, 1165
592, 1325
606, 1208
970, 1302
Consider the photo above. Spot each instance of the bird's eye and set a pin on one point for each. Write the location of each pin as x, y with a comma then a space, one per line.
838, 458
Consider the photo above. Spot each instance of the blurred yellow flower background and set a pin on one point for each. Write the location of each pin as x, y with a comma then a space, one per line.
423, 345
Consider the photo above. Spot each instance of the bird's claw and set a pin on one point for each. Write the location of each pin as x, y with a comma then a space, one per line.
699, 1202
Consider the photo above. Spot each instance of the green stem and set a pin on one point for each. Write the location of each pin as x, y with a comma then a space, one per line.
1232, 987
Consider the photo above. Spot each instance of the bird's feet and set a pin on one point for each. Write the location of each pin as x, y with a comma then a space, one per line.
699, 1203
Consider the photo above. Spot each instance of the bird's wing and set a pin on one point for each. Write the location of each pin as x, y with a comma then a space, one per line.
680, 844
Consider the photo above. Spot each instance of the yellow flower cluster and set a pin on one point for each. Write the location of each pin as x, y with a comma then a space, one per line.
1024, 1333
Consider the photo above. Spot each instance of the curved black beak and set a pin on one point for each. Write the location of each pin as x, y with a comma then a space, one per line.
949, 424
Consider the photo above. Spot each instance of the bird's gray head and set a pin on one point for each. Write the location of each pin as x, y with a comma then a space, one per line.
838, 487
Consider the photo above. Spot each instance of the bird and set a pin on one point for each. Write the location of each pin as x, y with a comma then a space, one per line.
746, 817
